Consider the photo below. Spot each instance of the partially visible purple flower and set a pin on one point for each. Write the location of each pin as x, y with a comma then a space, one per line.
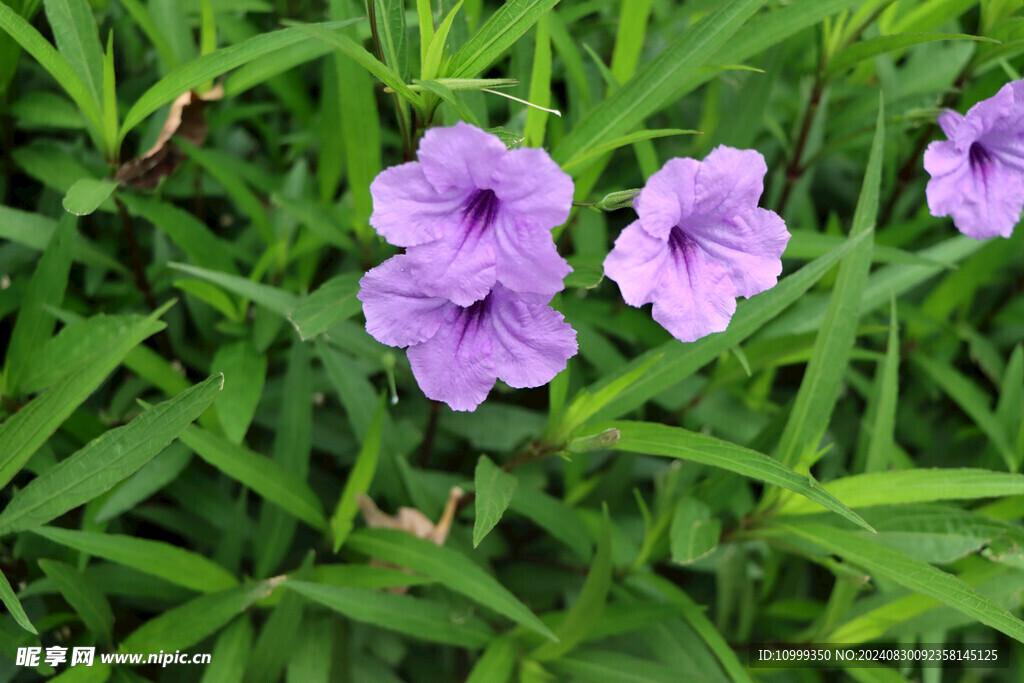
472, 213
700, 242
977, 175
457, 352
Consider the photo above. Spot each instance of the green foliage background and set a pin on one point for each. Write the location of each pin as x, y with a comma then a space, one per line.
191, 406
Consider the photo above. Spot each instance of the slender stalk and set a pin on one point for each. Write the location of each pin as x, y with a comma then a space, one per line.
140, 274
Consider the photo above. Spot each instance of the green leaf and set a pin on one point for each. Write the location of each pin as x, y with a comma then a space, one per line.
86, 196
974, 402
77, 38
54, 63
208, 67
25, 431
916, 575
674, 442
451, 568
263, 475
415, 617
450, 98
499, 32
277, 300
334, 301
494, 489
244, 372
496, 664
85, 598
587, 155
587, 404
169, 562
10, 601
110, 100
654, 85
915, 486
589, 606
822, 381
555, 517
187, 232
608, 665
435, 50
230, 653
185, 625
679, 361
884, 404
34, 231
540, 87
359, 479
694, 532
365, 576
45, 290
114, 456
148, 481
393, 37
879, 45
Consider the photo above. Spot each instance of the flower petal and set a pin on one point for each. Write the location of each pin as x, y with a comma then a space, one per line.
397, 311
531, 343
460, 156
748, 246
636, 263
455, 365
459, 266
1000, 113
949, 121
668, 197
408, 210
532, 188
695, 296
729, 182
526, 257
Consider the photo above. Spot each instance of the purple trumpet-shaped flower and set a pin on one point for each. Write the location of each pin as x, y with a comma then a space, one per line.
472, 213
977, 175
457, 352
700, 241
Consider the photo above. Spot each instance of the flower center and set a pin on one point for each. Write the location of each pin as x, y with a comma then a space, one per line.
679, 243
978, 157
480, 210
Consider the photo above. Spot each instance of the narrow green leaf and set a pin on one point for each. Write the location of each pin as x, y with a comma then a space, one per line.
540, 87
494, 490
883, 422
415, 617
587, 404
365, 576
244, 372
507, 25
110, 100
916, 575
45, 290
694, 531
230, 653
435, 50
654, 85
915, 486
171, 563
185, 625
879, 45
359, 479
13, 606
263, 475
77, 38
393, 37
277, 300
609, 665
426, 25
332, 302
85, 598
555, 517
629, 38
86, 195
149, 480
114, 456
674, 442
679, 361
148, 25
496, 664
25, 431
578, 160
451, 568
587, 610
187, 232
208, 67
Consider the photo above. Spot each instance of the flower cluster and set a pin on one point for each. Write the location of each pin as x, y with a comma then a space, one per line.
977, 174
699, 242
470, 295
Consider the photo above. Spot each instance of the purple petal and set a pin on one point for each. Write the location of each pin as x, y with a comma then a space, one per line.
460, 266
397, 311
695, 296
532, 188
730, 182
636, 263
455, 365
985, 198
1000, 114
668, 197
408, 210
461, 156
527, 260
530, 342
949, 121
748, 246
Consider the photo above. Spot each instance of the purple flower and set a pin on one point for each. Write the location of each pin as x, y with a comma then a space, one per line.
472, 213
977, 175
700, 242
457, 352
